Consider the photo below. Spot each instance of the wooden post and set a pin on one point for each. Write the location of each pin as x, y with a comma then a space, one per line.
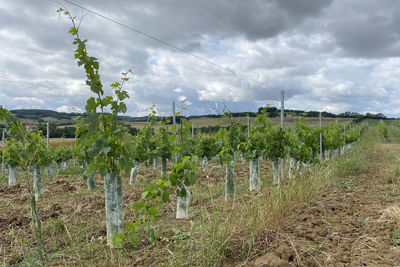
248, 126
48, 134
173, 113
344, 134
283, 128
174, 123
192, 130
321, 153
2, 154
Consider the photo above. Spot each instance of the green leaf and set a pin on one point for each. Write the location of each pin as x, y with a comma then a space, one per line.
91, 105
115, 84
118, 240
145, 194
153, 237
106, 149
134, 238
138, 206
73, 31
125, 164
152, 211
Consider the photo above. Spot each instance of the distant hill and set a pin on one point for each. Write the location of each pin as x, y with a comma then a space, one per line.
63, 118
40, 114
62, 124
58, 118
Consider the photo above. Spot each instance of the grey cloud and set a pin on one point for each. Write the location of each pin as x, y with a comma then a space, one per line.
368, 29
326, 54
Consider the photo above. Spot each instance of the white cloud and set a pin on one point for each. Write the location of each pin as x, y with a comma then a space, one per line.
69, 109
29, 100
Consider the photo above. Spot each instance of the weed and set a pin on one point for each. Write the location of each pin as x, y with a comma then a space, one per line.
347, 185
393, 194
54, 227
71, 171
396, 237
397, 172
330, 218
319, 246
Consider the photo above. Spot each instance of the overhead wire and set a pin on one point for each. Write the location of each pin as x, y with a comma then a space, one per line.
166, 43
30, 84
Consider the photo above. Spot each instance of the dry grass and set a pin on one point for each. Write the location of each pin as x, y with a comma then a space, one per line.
392, 214
55, 142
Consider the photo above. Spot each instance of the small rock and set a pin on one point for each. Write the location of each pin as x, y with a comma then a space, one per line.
285, 253
270, 260
323, 232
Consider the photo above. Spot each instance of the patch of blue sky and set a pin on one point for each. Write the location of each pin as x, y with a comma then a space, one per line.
215, 48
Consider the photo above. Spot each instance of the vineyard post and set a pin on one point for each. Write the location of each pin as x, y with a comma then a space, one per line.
283, 128
248, 126
192, 130
49, 168
3, 142
174, 123
173, 113
320, 138
344, 136
47, 135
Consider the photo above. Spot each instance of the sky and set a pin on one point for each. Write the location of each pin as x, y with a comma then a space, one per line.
327, 55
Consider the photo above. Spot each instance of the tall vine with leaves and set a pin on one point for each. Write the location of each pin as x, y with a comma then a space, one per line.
104, 136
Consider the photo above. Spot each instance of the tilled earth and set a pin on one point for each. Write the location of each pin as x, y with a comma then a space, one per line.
67, 205
346, 226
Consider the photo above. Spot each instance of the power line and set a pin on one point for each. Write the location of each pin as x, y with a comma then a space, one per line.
165, 43
30, 84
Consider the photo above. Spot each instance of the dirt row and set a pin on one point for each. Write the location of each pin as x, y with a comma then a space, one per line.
347, 226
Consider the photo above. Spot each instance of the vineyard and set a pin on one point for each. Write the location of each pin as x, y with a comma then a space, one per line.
173, 196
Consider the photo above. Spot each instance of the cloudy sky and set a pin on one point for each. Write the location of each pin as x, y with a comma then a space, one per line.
328, 55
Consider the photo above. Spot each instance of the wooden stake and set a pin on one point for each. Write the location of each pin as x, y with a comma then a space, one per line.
174, 123
320, 138
48, 134
2, 154
248, 126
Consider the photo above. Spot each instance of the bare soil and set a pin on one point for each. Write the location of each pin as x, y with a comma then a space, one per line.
69, 207
345, 226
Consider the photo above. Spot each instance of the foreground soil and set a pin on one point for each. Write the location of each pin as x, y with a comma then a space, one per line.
351, 224
348, 224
